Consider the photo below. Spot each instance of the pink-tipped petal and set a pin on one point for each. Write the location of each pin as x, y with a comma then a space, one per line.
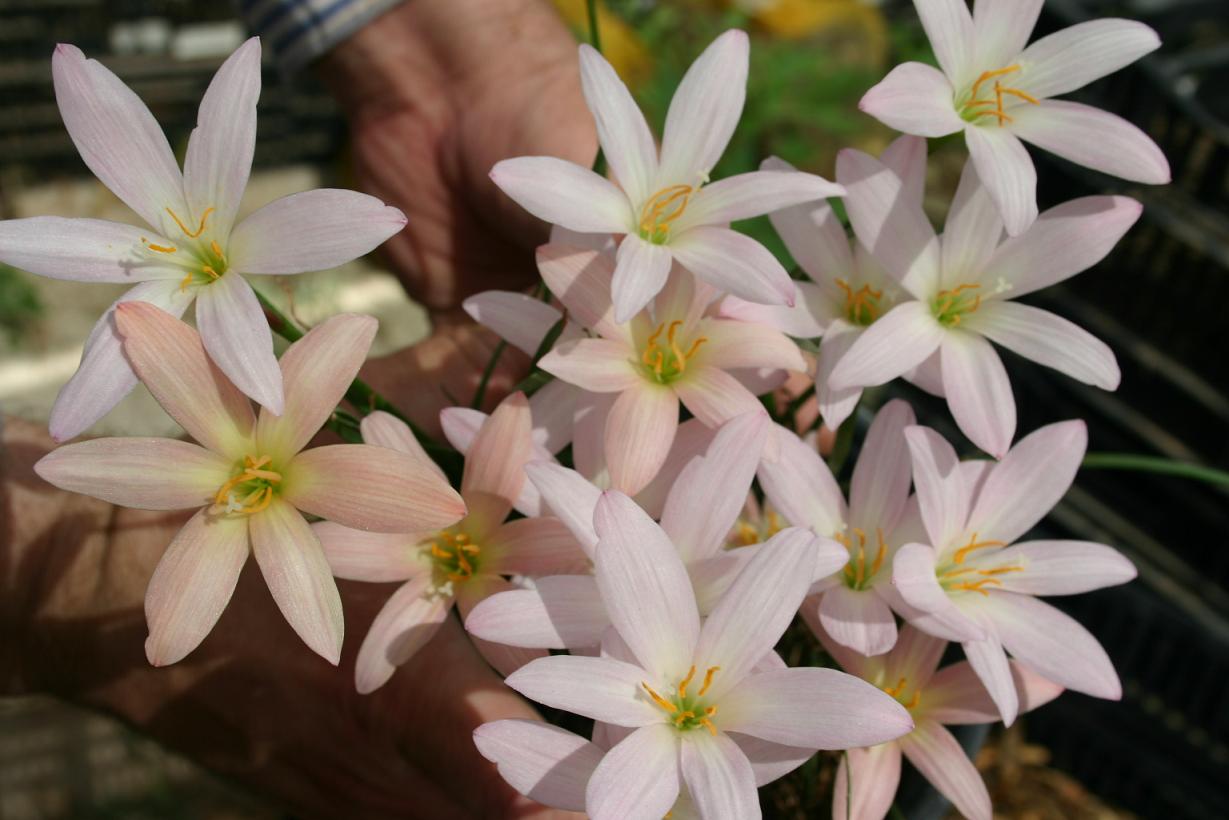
599, 365
858, 619
220, 149
316, 372
732, 345
375, 557
942, 487
714, 396
914, 99
117, 136
879, 488
734, 263
639, 431
386, 430
582, 279
234, 330
719, 777
518, 318
901, 339
753, 194
1007, 171
535, 547
978, 391
170, 359
1050, 340
872, 773
192, 584
370, 488
639, 777
1073, 57
495, 464
640, 274
1062, 567
311, 231
1002, 28
690, 442
800, 485
543, 762
601, 688
956, 696
813, 311
989, 662
83, 250
949, 27
941, 760
1095, 139
104, 375
293, 565
565, 194
621, 128
560, 612
145, 473
405, 623
645, 587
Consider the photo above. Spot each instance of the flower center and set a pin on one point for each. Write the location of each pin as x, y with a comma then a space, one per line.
667, 362
208, 262
454, 555
973, 106
686, 711
900, 690
856, 573
955, 577
749, 531
251, 490
861, 305
661, 210
950, 306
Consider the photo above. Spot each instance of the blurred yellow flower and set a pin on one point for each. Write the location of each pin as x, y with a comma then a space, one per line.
621, 45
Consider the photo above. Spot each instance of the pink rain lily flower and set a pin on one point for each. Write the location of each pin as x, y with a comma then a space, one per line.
998, 92
669, 353
970, 581
463, 562
693, 688
662, 204
567, 612
853, 602
190, 247
251, 479
964, 285
867, 778
849, 290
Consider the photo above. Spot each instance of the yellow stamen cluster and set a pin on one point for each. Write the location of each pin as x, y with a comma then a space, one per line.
212, 264
455, 555
950, 306
861, 305
257, 483
856, 573
898, 691
687, 712
669, 361
955, 577
747, 532
661, 210
975, 107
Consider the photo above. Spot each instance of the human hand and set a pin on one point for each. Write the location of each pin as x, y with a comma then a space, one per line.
436, 92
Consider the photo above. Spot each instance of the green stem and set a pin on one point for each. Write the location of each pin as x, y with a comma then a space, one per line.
843, 445
487, 372
1153, 464
595, 40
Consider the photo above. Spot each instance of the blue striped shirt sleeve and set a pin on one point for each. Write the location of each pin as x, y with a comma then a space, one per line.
298, 31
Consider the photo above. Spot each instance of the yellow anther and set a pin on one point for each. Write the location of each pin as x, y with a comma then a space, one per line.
260, 496
654, 357
191, 234
708, 724
999, 570
210, 272
913, 701
949, 306
708, 680
881, 553
682, 718
691, 673
217, 249
990, 75
893, 691
994, 108
861, 305
162, 248
962, 553
659, 700
663, 208
977, 586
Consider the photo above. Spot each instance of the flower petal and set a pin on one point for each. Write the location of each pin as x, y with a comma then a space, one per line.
582, 279
949, 27
858, 619
1001, 28
1062, 567
621, 128
812, 233
568, 496
234, 330
770, 761
639, 431
756, 609
370, 488
1007, 171
813, 708
83, 250
386, 430
495, 464
873, 773
170, 359
956, 696
732, 345
565, 194
600, 688
718, 776
1073, 57
890, 222
219, 155
1029, 481
535, 547
972, 233
1048, 339
978, 391
294, 567
560, 612
899, 340
519, 319
405, 623
375, 557
735, 263
639, 275
639, 777
600, 365
311, 231
547, 764
104, 375
799, 484
1064, 240
192, 584
937, 755
989, 662
116, 136
835, 405
753, 194
645, 587
316, 372
704, 111
942, 490
906, 156
503, 659
813, 311
714, 396
145, 473
881, 478
1093, 138
914, 98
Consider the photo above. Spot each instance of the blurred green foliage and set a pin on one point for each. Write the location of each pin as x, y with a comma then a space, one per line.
20, 306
